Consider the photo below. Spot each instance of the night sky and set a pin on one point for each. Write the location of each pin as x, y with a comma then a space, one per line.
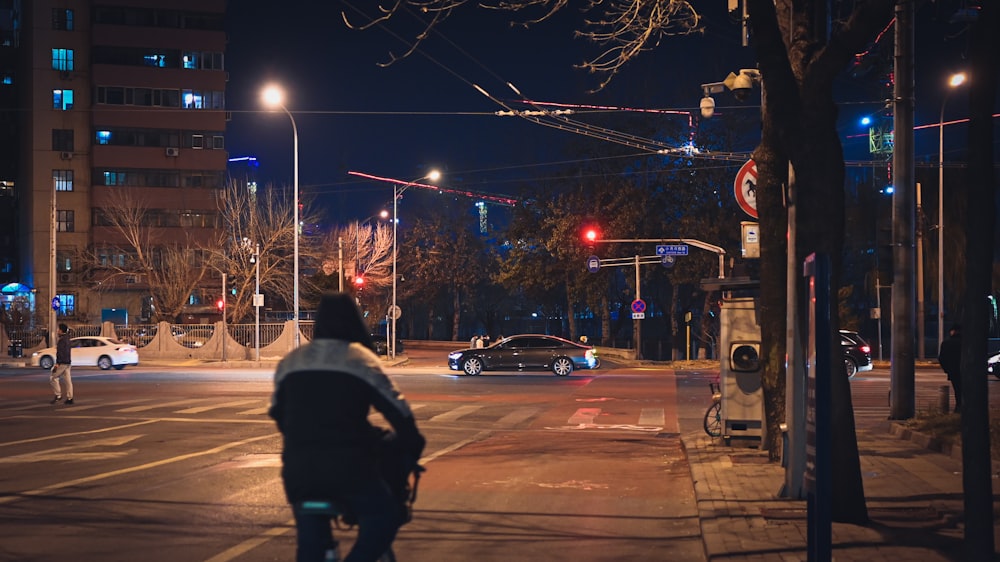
423, 112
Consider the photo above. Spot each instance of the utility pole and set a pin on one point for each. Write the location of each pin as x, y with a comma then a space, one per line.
901, 376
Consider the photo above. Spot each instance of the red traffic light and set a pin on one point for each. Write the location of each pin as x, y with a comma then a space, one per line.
359, 281
220, 304
591, 235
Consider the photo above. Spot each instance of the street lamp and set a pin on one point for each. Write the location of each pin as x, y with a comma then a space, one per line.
273, 97
433, 175
953, 82
258, 299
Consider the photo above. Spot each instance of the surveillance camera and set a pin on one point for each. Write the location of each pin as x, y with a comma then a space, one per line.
707, 107
742, 83
741, 94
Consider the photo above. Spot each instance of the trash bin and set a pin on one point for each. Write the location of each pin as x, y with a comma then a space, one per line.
16, 348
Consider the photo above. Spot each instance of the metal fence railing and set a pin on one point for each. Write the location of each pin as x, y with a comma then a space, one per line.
192, 336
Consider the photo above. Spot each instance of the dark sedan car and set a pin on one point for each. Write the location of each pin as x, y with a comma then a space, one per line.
523, 353
857, 353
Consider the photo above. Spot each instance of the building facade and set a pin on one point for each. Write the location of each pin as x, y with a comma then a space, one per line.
104, 102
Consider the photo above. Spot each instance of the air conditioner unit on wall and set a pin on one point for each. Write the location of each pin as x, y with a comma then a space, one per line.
173, 151
67, 278
66, 155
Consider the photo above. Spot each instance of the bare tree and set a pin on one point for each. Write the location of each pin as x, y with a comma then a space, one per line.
261, 219
133, 255
366, 250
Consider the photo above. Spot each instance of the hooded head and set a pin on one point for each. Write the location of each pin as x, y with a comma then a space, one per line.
338, 318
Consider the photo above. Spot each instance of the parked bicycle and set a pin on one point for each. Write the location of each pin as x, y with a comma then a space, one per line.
713, 415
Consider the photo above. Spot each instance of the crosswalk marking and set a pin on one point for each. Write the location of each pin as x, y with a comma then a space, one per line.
233, 404
517, 416
455, 414
651, 416
584, 416
254, 411
147, 407
433, 412
77, 407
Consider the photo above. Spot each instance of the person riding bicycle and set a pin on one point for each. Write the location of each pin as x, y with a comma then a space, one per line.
323, 392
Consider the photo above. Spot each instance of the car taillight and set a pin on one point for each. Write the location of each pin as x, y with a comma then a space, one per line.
865, 349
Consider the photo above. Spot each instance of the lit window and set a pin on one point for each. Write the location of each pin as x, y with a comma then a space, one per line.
6, 79
62, 99
192, 99
103, 137
155, 60
62, 59
67, 304
62, 180
190, 60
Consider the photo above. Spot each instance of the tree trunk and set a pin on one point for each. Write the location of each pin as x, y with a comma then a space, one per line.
772, 168
456, 304
981, 218
605, 320
675, 336
798, 76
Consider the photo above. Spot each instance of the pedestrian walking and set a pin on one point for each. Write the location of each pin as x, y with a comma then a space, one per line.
323, 392
950, 358
63, 367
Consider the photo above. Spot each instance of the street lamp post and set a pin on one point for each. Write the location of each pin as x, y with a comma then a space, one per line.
433, 175
955, 81
274, 97
258, 300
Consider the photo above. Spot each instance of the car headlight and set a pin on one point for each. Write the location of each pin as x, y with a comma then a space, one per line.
454, 355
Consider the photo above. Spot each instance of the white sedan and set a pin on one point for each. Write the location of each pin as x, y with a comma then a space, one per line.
92, 350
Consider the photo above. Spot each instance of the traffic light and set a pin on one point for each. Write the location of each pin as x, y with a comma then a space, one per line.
220, 304
359, 282
590, 236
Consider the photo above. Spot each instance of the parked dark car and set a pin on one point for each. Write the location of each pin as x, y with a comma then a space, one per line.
523, 353
857, 353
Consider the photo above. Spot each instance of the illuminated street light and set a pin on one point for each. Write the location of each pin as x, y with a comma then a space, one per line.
394, 312
953, 82
273, 97
433, 175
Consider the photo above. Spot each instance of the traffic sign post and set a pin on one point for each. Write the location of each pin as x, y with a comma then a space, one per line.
745, 188
672, 249
638, 309
593, 264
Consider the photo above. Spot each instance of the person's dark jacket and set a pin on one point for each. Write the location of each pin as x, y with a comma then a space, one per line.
950, 356
323, 393
63, 354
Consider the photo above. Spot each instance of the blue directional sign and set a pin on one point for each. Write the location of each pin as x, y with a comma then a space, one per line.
593, 264
672, 249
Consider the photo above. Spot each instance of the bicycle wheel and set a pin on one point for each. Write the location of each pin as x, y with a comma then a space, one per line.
713, 420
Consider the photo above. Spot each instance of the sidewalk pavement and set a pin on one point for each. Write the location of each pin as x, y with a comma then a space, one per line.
914, 499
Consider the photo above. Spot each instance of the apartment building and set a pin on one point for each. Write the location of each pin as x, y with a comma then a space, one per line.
98, 98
